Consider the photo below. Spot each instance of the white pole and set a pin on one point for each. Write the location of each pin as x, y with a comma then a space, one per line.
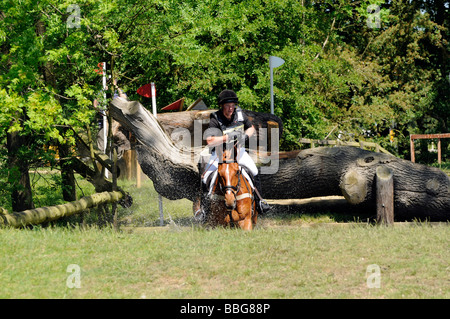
105, 120
271, 91
161, 214
153, 89
160, 202
274, 62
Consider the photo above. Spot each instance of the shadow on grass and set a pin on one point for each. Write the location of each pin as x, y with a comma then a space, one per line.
293, 214
289, 213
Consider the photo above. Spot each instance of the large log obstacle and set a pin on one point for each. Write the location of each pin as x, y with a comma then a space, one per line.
419, 191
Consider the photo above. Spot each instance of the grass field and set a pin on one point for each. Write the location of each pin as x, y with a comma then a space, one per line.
295, 256
273, 262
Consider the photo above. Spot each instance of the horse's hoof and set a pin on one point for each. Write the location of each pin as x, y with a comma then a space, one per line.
200, 216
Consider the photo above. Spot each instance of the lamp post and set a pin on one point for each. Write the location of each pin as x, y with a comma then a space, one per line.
274, 62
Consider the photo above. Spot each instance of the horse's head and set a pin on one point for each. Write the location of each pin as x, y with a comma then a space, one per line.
229, 179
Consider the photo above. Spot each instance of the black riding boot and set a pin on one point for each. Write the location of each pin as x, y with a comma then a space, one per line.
261, 205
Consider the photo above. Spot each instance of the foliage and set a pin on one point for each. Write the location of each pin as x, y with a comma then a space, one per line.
200, 47
342, 77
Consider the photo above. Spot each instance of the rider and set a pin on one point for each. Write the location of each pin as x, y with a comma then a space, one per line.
228, 122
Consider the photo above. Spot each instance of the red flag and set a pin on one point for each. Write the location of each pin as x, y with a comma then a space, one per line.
145, 90
177, 105
99, 71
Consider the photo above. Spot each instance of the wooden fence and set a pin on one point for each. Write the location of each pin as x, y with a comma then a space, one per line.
413, 137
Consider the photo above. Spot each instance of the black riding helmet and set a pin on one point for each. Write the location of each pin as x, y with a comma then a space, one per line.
227, 96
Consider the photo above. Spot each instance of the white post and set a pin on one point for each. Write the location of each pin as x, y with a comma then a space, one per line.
153, 89
274, 62
105, 120
161, 214
271, 91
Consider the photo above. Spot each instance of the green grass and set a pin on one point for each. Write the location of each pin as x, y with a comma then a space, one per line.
289, 255
187, 262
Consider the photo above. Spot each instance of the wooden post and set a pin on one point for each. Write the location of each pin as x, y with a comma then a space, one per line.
385, 195
127, 160
161, 214
114, 187
133, 162
270, 125
138, 175
439, 152
411, 141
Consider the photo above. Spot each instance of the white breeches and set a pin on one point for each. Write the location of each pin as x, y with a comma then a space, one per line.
243, 159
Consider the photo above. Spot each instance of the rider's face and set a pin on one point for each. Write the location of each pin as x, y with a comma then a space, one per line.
228, 109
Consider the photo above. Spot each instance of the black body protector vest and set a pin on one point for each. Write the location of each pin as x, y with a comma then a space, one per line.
235, 127
237, 123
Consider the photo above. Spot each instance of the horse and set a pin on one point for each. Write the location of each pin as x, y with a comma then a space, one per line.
232, 200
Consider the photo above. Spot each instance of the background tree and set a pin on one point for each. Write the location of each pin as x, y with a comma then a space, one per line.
341, 77
44, 86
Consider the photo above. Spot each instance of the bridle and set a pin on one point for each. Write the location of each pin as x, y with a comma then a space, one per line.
233, 189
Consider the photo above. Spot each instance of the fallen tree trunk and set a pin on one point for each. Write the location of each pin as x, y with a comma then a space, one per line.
47, 214
419, 191
172, 169
189, 119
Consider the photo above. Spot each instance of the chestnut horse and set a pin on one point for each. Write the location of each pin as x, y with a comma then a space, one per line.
232, 200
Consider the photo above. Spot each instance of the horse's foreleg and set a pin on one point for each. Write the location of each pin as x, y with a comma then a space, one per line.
255, 213
245, 217
246, 223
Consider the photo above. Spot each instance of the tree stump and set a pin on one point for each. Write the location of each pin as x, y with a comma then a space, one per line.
385, 195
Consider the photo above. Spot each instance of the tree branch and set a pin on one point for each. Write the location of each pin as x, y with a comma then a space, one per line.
326, 40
